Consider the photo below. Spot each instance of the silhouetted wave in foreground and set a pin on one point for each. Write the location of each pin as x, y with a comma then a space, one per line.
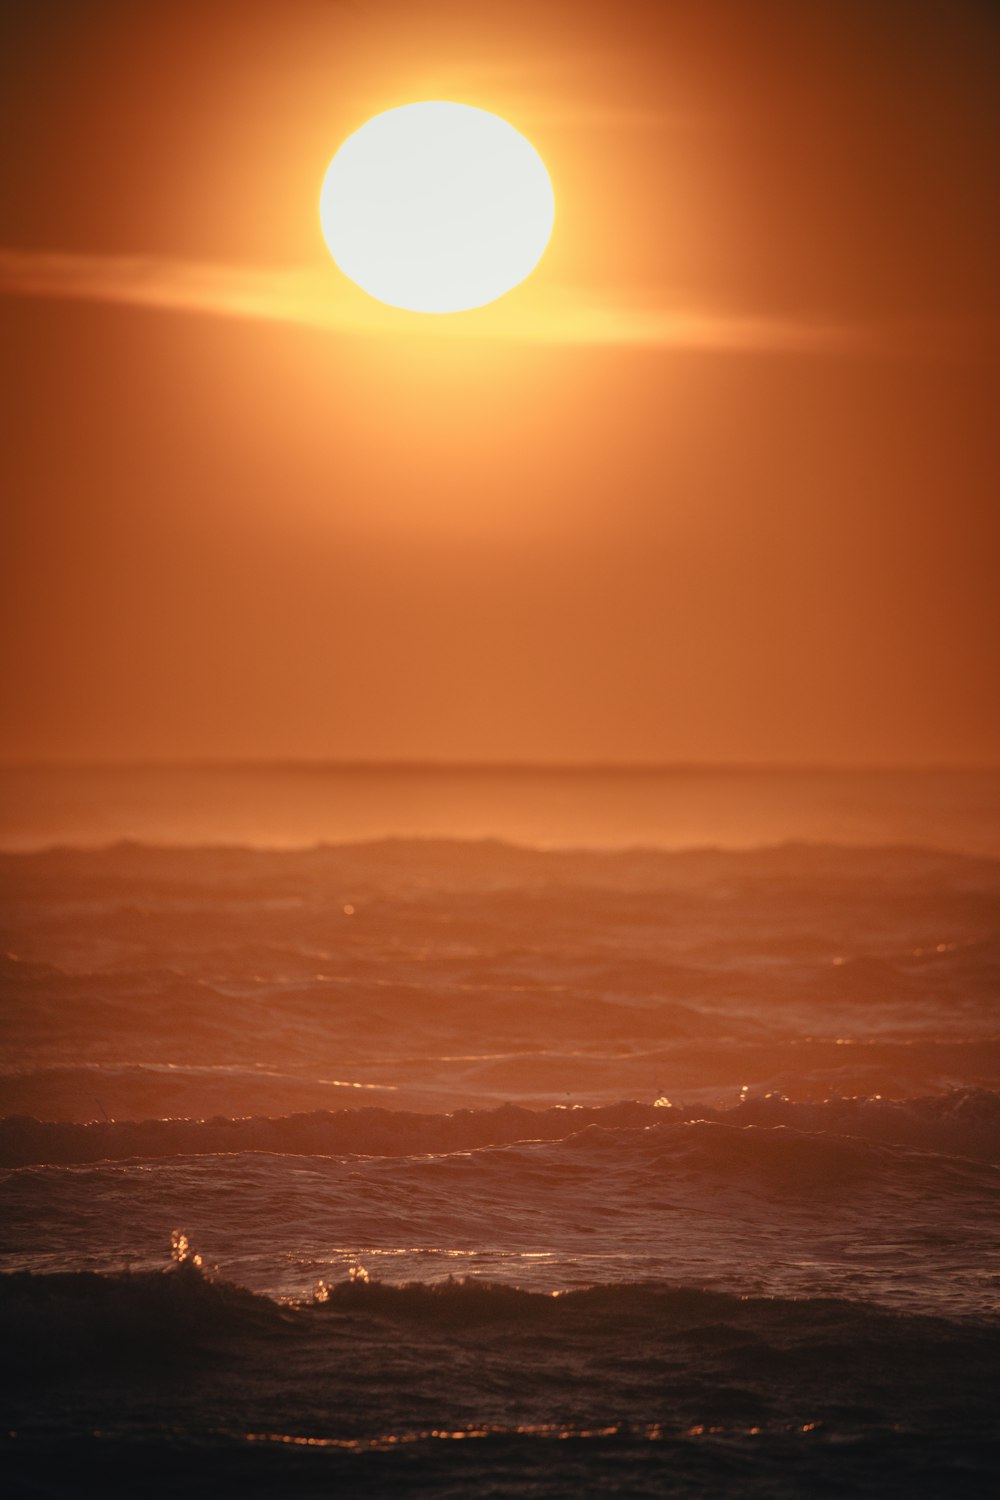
379, 1388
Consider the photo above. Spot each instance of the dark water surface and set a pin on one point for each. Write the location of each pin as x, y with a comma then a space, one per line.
451, 1167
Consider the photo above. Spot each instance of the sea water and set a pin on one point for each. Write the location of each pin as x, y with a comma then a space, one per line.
465, 1164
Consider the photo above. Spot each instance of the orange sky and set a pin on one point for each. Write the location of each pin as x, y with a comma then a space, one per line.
717, 484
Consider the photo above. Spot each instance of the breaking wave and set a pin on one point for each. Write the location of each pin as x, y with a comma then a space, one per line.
964, 1122
154, 1320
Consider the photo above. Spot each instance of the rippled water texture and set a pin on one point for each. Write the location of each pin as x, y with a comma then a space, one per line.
454, 1167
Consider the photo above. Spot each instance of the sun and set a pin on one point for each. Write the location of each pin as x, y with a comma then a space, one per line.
437, 207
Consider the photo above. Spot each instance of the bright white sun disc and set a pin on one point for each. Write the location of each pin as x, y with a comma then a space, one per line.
437, 207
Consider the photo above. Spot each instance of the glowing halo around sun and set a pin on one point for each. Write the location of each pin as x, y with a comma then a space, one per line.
437, 207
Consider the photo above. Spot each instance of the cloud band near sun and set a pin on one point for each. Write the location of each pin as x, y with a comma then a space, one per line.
316, 297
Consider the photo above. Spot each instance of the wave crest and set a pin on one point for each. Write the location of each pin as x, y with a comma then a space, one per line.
964, 1122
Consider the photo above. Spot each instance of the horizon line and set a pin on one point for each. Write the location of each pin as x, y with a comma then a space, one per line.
435, 765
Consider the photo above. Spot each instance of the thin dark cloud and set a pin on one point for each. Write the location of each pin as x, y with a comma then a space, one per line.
319, 298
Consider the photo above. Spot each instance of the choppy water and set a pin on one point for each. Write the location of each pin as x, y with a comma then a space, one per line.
511, 1171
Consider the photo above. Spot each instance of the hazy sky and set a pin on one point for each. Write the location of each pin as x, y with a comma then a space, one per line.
718, 483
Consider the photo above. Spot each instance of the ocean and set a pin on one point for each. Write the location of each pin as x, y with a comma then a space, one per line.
384, 1131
